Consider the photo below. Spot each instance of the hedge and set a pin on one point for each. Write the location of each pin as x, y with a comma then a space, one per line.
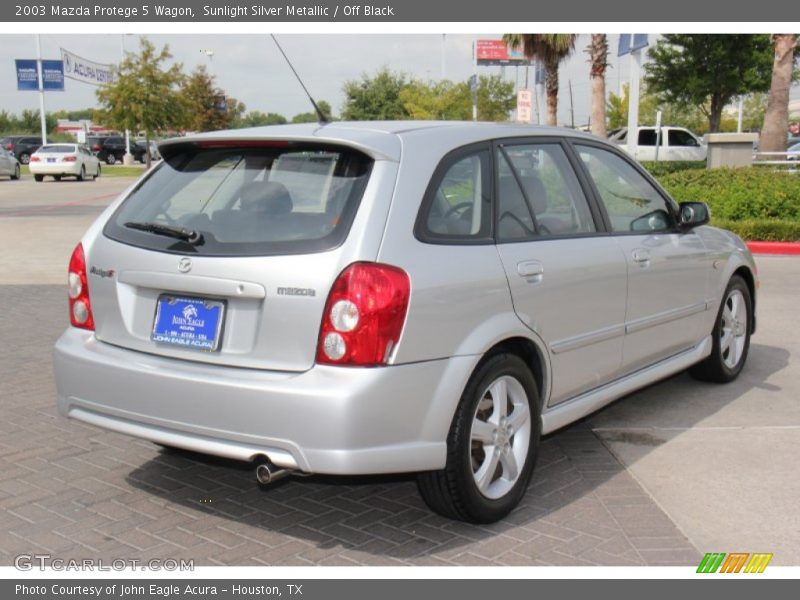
762, 230
661, 168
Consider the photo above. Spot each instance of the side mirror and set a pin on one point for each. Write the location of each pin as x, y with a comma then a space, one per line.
693, 214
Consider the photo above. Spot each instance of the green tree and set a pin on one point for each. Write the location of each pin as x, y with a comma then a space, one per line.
145, 94
753, 108
446, 100
207, 107
776, 118
598, 59
256, 118
551, 49
375, 98
312, 117
708, 71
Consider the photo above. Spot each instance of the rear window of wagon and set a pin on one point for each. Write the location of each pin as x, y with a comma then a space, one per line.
255, 199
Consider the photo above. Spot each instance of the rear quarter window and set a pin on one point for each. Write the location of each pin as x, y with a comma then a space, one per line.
277, 199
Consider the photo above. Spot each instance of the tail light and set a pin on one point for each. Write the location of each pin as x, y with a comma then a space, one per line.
364, 315
96, 148
9, 146
80, 307
35, 158
70, 158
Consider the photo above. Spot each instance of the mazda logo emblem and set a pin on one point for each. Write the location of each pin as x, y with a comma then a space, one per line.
185, 265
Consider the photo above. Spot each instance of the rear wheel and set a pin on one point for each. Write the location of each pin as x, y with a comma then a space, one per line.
731, 336
82, 175
111, 158
57, 177
39, 177
97, 174
492, 445
25, 158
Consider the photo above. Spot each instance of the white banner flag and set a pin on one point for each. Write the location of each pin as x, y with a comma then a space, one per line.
86, 71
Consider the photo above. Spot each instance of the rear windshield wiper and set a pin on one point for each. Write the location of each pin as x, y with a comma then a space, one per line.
187, 235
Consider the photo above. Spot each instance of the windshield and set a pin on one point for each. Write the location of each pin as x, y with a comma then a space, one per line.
246, 201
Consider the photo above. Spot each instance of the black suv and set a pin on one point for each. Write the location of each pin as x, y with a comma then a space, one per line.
22, 146
111, 148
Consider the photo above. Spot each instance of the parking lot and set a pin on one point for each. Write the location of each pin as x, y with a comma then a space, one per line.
658, 478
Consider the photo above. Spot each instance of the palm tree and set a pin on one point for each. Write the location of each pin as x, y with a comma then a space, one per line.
776, 119
551, 49
598, 58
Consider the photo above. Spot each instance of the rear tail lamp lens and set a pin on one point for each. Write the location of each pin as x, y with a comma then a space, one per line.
364, 315
80, 307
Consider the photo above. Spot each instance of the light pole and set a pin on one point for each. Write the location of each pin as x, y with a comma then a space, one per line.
127, 159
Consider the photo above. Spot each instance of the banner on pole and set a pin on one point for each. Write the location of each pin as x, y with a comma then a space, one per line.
28, 75
87, 71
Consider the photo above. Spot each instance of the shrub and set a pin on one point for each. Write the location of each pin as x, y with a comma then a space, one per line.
763, 230
661, 168
738, 194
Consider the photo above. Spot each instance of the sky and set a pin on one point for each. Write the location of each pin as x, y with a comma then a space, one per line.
250, 68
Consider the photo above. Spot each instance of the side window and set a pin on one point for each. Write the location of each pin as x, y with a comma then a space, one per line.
514, 218
457, 205
647, 137
550, 189
678, 137
632, 203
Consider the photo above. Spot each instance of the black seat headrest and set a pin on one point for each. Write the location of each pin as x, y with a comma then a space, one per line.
268, 197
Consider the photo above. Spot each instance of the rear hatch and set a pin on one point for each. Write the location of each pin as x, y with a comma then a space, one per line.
55, 154
226, 252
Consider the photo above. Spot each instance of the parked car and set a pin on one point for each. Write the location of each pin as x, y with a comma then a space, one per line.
64, 160
111, 149
366, 298
9, 165
676, 143
793, 152
23, 146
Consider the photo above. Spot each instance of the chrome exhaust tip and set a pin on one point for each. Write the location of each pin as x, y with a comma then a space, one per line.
267, 473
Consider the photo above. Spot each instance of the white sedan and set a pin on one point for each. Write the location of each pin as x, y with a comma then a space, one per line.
64, 160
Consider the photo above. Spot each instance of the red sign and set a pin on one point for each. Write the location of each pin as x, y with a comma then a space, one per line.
497, 52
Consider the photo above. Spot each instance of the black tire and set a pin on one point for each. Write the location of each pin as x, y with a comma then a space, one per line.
82, 175
57, 177
453, 492
17, 174
111, 159
25, 158
716, 367
96, 175
38, 177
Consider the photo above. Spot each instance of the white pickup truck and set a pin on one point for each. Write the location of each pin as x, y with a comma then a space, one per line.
677, 143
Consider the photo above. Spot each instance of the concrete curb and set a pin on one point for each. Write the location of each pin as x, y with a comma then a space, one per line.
790, 248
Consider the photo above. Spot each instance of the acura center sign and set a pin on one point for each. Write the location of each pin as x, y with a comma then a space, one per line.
87, 71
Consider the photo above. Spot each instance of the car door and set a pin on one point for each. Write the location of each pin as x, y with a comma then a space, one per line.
567, 279
646, 146
667, 268
6, 164
684, 146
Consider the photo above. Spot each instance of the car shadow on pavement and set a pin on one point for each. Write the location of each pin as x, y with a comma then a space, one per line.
582, 507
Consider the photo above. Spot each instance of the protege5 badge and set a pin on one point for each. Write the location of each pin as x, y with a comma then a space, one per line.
293, 291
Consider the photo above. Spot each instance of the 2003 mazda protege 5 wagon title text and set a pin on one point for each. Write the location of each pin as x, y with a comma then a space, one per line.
361, 298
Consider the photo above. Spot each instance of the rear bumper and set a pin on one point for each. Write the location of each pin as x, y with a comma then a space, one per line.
325, 420
55, 168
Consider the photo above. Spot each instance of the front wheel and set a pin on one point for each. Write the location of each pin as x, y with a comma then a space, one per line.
97, 174
17, 173
25, 158
491, 447
39, 178
730, 336
111, 158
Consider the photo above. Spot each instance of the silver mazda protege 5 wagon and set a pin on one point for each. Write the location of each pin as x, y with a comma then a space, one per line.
362, 298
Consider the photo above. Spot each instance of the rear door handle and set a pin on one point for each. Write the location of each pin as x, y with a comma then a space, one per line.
640, 255
532, 270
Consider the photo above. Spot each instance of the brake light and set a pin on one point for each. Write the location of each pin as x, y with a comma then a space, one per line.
96, 148
35, 158
80, 307
364, 315
9, 146
70, 158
